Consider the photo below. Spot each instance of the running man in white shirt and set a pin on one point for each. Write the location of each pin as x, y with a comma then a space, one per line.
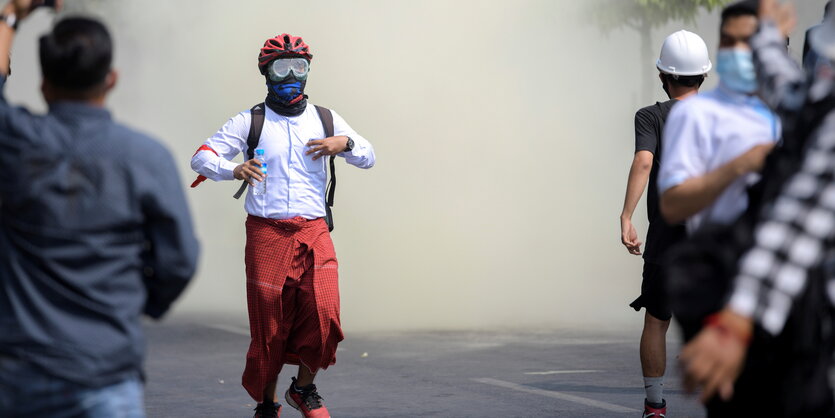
291, 267
716, 142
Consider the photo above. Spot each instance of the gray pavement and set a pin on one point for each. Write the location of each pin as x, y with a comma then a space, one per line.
195, 362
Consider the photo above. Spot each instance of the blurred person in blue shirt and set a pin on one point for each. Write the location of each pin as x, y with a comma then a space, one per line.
94, 232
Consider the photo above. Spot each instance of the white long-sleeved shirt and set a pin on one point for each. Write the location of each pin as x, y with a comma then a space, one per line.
295, 182
706, 131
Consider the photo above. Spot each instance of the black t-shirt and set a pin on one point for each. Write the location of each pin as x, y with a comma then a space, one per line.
649, 127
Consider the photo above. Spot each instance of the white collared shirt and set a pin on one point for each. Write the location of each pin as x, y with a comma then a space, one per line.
706, 131
295, 182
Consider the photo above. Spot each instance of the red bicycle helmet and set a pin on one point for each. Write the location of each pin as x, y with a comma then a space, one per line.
284, 45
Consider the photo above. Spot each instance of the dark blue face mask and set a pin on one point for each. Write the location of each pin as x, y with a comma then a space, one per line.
287, 91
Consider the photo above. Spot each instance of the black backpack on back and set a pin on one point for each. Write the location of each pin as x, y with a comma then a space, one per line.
254, 137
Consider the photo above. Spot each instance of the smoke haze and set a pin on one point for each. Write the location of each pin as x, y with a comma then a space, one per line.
503, 132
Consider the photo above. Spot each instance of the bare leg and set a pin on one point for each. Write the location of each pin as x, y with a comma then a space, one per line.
305, 377
654, 346
269, 391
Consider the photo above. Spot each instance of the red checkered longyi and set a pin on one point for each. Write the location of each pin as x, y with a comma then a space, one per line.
292, 296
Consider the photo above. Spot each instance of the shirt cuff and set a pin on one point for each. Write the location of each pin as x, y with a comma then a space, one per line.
357, 151
346, 154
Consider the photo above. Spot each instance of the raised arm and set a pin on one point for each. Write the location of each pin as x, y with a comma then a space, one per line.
20, 9
782, 82
6, 39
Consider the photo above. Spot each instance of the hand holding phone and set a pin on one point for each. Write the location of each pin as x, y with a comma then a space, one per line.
23, 8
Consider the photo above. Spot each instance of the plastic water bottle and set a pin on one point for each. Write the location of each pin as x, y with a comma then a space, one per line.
260, 187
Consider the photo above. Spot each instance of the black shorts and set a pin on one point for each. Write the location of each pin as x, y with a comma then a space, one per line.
654, 292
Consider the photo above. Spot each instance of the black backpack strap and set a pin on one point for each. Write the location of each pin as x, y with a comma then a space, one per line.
326, 117
255, 126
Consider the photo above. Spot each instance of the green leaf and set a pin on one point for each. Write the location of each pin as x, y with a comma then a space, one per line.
647, 14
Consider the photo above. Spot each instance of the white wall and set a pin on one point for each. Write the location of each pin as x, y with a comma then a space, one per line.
503, 131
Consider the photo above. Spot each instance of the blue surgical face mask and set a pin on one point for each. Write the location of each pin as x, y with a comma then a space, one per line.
736, 70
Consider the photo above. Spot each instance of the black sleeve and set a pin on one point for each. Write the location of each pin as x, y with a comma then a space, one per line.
171, 256
646, 131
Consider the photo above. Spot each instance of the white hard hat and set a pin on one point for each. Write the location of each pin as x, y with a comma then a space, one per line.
684, 53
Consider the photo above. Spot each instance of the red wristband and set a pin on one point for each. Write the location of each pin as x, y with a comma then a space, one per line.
714, 322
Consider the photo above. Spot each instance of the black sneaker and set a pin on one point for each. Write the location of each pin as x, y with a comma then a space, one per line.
306, 400
267, 410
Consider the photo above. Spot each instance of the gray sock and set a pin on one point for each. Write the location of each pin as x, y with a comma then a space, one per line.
654, 387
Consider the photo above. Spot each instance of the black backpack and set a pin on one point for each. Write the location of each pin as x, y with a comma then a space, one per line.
254, 137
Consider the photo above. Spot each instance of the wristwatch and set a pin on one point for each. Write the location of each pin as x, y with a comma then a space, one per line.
350, 145
10, 19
